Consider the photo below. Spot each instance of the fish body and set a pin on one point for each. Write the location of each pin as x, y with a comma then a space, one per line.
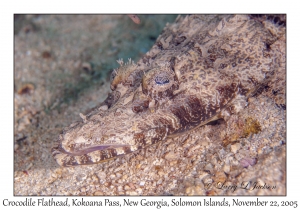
200, 68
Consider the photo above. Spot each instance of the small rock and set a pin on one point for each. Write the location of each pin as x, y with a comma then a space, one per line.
98, 193
29, 166
123, 179
16, 147
226, 168
135, 19
245, 162
101, 175
103, 108
46, 54
209, 167
139, 191
235, 147
26, 89
173, 163
195, 190
120, 188
161, 173
211, 192
203, 175
127, 187
159, 181
131, 193
220, 177
131, 185
87, 67
95, 178
171, 156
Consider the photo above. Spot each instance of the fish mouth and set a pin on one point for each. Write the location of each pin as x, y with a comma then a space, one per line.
85, 151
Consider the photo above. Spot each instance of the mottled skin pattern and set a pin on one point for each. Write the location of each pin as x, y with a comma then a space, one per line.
201, 68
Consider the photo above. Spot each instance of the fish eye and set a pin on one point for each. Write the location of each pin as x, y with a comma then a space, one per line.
159, 83
161, 79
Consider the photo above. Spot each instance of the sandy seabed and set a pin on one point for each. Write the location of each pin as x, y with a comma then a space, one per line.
62, 67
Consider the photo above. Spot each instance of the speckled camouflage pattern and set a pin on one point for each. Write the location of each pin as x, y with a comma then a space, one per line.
201, 68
